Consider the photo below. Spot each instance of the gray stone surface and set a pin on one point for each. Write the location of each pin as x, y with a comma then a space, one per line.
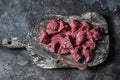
16, 16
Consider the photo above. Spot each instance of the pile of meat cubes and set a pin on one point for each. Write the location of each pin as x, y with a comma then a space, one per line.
75, 38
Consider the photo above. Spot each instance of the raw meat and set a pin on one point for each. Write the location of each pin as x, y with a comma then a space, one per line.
53, 24
90, 44
63, 50
96, 33
66, 42
44, 38
76, 53
74, 24
54, 46
87, 53
80, 37
62, 26
74, 38
84, 27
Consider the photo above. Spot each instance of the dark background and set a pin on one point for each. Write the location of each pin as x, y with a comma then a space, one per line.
16, 16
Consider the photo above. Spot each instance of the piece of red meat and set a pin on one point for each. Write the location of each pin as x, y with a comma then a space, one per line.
96, 33
51, 32
74, 24
56, 38
100, 30
76, 53
89, 35
66, 42
64, 31
72, 34
84, 26
87, 53
53, 24
68, 33
54, 46
62, 26
75, 34
44, 38
63, 50
90, 44
80, 37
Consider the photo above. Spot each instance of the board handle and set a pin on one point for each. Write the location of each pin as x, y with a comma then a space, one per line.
13, 42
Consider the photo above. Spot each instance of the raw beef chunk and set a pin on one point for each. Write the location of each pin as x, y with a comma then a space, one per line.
66, 42
54, 46
76, 53
62, 26
96, 33
44, 38
84, 27
80, 37
63, 50
87, 53
53, 24
74, 25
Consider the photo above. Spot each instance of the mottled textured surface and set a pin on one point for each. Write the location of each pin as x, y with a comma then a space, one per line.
101, 52
16, 16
